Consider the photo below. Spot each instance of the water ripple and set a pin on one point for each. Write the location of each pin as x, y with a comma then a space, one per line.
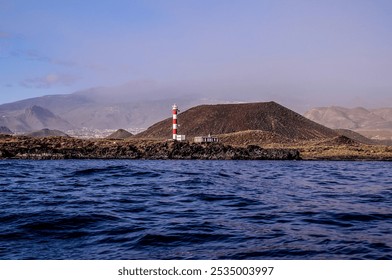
118, 209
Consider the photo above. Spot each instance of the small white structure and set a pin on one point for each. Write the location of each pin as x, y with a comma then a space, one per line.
180, 137
206, 139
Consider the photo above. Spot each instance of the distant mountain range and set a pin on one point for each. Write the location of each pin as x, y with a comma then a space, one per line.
133, 106
139, 105
372, 123
32, 118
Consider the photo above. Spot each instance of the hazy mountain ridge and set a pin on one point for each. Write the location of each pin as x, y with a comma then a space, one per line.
5, 130
47, 133
136, 105
356, 118
33, 118
373, 123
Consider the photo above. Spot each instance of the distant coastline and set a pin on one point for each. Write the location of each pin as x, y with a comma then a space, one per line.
247, 131
25, 147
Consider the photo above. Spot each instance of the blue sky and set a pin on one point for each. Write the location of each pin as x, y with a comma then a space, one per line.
301, 53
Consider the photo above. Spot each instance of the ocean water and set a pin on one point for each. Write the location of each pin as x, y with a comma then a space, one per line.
150, 209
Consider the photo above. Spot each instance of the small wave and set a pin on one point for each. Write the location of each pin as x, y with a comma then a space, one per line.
225, 175
361, 217
373, 198
327, 222
268, 253
241, 202
196, 182
194, 209
97, 170
12, 236
380, 245
177, 239
145, 174
261, 217
350, 250
115, 239
215, 197
53, 224
119, 231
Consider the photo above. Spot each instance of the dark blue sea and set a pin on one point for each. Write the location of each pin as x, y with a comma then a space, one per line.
150, 209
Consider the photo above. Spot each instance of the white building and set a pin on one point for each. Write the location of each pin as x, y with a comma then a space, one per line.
206, 139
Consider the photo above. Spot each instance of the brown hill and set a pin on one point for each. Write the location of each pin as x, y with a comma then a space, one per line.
356, 136
253, 137
338, 141
229, 118
362, 139
47, 132
119, 134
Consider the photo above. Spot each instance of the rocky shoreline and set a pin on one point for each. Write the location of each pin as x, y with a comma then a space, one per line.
57, 147
22, 147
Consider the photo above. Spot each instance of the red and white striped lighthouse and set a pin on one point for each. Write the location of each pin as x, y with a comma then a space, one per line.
174, 111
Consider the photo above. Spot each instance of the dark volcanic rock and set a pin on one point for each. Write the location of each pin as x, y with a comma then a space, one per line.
67, 148
183, 150
64, 148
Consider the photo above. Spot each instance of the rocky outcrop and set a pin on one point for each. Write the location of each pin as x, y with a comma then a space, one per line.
184, 150
119, 134
47, 132
71, 148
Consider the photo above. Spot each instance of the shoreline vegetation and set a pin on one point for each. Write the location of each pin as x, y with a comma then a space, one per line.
57, 147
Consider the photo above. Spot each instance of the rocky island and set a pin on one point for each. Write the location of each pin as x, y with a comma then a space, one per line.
250, 131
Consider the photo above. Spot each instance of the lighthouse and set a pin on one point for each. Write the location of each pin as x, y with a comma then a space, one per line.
174, 111
176, 136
